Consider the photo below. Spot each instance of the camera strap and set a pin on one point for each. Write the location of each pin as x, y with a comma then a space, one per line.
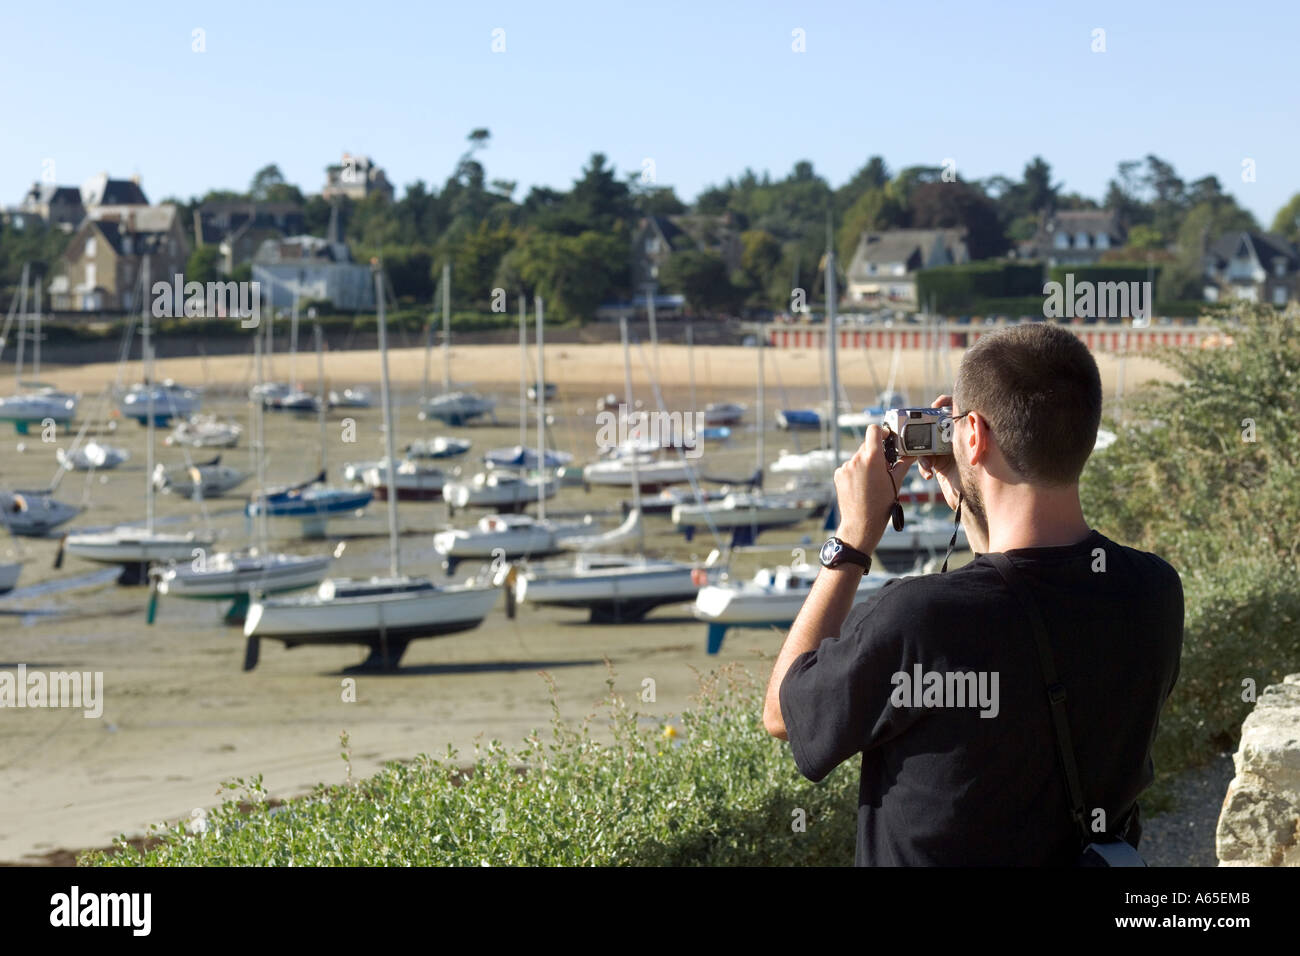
956, 524
1055, 691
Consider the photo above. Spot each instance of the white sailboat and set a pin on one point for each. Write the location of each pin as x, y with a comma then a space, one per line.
453, 406
518, 535
382, 613
748, 514
772, 598
209, 479
612, 588
132, 547
92, 456
163, 400
234, 576
505, 487
34, 401
205, 431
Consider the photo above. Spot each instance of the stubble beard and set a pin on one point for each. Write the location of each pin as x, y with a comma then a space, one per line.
972, 503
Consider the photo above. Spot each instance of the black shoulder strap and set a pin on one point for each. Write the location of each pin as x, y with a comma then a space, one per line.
1055, 690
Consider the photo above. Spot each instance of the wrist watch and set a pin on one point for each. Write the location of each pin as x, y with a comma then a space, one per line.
835, 553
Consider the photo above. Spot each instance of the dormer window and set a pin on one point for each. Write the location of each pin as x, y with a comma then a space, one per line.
1061, 240
1103, 240
1279, 267
1083, 241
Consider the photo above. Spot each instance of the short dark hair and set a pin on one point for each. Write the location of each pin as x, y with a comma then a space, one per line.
1038, 387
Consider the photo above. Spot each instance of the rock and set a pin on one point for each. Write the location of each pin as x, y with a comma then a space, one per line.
1260, 821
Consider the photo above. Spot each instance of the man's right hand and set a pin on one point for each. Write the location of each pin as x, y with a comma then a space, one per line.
942, 467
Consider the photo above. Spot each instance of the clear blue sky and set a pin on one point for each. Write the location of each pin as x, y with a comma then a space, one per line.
702, 88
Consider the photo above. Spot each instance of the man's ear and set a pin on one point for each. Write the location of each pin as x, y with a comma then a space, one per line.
979, 440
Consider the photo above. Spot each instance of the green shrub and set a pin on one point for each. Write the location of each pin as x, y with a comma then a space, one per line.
1185, 480
720, 792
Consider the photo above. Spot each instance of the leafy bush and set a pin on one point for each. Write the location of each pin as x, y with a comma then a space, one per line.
714, 790
1205, 472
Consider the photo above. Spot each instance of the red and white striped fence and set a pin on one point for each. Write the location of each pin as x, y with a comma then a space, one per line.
1098, 338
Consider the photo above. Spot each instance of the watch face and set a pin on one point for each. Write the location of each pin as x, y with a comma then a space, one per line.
830, 551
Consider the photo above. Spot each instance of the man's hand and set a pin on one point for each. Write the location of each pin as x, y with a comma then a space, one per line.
865, 487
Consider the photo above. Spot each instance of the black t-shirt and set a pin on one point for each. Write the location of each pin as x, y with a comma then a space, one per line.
944, 786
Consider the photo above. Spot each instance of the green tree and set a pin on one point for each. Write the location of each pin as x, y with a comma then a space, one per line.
1287, 221
202, 264
874, 210
701, 276
1142, 238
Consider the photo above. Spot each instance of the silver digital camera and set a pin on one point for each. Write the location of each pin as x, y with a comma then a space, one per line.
919, 431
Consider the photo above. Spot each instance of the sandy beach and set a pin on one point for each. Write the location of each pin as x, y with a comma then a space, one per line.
180, 716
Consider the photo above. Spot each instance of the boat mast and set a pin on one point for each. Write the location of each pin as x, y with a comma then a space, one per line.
293, 340
832, 357
36, 337
690, 360
541, 412
627, 386
394, 559
259, 450
523, 376
654, 329
146, 354
446, 327
762, 404
321, 398
22, 329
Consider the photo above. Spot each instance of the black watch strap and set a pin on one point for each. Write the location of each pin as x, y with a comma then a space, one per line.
836, 553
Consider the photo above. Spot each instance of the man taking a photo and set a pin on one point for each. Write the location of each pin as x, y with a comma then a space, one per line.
949, 781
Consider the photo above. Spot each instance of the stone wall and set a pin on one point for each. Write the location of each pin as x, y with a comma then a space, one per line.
1260, 821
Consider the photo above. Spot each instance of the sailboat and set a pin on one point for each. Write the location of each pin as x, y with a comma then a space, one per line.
612, 588
747, 514
164, 400
132, 547
205, 431
92, 456
506, 486
33, 514
40, 401
382, 613
209, 479
453, 406
313, 502
234, 576
772, 598
519, 535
